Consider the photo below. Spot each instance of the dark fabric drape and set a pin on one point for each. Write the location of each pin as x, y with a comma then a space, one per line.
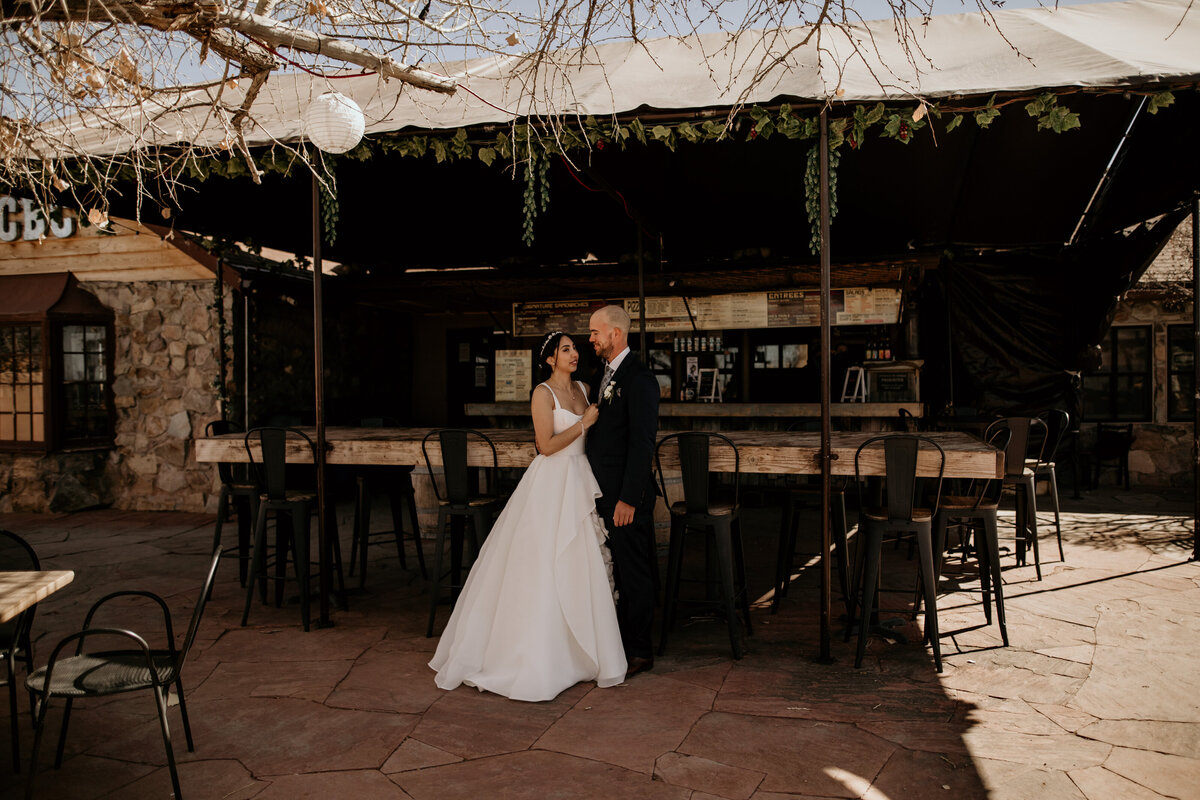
1023, 322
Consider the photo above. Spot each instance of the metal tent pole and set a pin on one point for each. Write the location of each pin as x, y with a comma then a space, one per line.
1196, 374
642, 293
826, 433
319, 383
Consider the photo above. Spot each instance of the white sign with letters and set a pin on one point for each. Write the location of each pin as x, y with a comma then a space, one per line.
31, 223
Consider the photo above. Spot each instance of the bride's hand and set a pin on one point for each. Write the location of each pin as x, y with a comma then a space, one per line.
590, 415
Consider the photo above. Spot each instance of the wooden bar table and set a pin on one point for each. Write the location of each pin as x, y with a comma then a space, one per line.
20, 590
764, 452
767, 452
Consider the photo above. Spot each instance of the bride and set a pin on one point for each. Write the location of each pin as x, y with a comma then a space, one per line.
536, 614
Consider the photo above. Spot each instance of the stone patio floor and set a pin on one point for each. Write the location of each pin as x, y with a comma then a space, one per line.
1097, 696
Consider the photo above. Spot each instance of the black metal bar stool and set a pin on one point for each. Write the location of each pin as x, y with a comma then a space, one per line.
891, 507
795, 499
458, 505
718, 521
1021, 462
976, 509
239, 494
293, 510
396, 483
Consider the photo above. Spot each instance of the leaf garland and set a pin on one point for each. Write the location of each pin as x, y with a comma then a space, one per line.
531, 148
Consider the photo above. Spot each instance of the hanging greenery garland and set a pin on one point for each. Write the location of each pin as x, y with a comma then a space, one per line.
531, 149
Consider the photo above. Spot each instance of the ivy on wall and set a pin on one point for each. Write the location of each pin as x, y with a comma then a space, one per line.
529, 148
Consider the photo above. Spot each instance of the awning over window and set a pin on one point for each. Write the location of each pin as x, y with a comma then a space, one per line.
29, 298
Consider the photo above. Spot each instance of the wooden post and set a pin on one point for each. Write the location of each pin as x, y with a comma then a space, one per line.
826, 432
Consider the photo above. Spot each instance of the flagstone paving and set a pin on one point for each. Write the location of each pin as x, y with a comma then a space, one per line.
1096, 697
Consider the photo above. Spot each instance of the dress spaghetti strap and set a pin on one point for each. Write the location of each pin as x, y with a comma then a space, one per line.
557, 405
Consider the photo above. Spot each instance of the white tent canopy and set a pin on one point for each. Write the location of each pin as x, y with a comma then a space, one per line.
1102, 45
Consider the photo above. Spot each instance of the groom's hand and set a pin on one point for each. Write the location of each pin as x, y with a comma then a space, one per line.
622, 514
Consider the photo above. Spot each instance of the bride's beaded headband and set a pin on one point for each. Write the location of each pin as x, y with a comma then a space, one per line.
549, 338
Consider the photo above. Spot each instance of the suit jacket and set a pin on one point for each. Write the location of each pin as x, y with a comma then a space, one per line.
620, 446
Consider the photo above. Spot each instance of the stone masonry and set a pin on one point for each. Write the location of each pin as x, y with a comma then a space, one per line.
165, 370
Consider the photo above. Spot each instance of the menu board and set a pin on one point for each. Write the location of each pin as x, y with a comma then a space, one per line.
792, 308
798, 308
569, 316
514, 375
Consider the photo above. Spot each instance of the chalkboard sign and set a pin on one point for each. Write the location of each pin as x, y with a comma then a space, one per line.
710, 386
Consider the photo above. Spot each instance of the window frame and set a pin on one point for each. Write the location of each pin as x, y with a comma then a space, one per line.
1188, 415
54, 395
1111, 411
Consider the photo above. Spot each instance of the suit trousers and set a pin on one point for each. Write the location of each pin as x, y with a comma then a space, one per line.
633, 571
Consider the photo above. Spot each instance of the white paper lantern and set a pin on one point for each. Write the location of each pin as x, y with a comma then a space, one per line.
334, 122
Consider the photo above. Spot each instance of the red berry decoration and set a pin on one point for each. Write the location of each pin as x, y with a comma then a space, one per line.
599, 144
853, 142
753, 131
903, 132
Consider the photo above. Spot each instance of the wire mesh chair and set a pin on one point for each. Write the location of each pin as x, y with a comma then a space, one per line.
109, 672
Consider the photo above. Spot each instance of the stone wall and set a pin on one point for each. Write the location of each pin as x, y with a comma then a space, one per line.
165, 370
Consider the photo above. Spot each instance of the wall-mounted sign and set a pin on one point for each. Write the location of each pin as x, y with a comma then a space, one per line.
514, 375
783, 309
21, 218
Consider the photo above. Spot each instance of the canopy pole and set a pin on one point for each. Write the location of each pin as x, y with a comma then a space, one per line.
1196, 374
319, 388
826, 432
642, 293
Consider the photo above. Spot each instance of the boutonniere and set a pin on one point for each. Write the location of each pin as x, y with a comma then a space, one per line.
611, 391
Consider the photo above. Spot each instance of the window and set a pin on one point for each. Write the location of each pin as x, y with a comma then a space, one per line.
22, 392
85, 382
1119, 389
56, 350
1180, 374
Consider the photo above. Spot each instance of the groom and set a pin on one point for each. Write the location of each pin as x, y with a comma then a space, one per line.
620, 448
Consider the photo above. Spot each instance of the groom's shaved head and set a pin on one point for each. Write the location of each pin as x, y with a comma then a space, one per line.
616, 317
609, 327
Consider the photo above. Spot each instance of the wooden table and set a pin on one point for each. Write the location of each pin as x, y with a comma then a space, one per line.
20, 590
767, 452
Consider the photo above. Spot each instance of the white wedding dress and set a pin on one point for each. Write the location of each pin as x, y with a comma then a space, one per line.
536, 614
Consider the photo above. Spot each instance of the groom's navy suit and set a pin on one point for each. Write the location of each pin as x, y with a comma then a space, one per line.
620, 449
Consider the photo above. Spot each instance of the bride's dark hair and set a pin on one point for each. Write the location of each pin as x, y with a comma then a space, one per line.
549, 347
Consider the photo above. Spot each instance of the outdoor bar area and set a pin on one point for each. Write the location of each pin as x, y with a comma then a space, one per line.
456, 543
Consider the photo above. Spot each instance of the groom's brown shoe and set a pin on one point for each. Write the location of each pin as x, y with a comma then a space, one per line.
638, 664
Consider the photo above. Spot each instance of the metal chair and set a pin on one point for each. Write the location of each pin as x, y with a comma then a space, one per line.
891, 506
1058, 422
294, 533
396, 483
458, 504
976, 507
109, 672
16, 555
1022, 458
239, 494
720, 523
1113, 442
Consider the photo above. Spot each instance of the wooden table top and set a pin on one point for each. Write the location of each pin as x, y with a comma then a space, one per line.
20, 590
769, 452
